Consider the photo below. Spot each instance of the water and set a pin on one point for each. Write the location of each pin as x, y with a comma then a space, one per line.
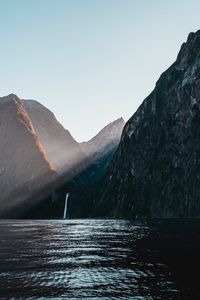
99, 259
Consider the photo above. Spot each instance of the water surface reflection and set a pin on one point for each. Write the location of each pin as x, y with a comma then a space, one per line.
98, 259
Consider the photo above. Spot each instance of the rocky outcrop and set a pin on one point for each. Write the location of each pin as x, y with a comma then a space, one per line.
26, 173
155, 171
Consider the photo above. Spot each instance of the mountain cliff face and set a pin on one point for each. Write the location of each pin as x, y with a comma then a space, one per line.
61, 148
155, 171
26, 173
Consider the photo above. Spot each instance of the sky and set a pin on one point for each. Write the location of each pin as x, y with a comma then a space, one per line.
90, 61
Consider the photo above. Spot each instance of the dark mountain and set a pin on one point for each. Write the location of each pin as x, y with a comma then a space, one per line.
26, 173
155, 171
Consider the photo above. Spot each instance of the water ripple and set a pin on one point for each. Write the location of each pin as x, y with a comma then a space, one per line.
80, 259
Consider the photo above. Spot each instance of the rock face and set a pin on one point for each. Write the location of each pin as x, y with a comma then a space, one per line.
61, 148
26, 173
156, 170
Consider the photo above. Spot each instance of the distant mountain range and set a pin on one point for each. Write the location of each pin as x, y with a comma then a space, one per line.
105, 140
37, 155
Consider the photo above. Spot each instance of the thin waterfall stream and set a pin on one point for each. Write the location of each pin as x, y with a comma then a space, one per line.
65, 208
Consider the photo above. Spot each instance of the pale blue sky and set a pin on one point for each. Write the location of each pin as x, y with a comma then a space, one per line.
90, 61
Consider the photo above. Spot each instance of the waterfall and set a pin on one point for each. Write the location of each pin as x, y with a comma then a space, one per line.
65, 209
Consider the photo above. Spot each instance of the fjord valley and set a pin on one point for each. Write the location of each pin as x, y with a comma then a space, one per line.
116, 217
147, 168
99, 150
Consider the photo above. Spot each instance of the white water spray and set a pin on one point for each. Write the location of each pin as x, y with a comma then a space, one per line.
65, 209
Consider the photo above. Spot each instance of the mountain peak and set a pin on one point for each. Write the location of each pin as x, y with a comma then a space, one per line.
105, 140
111, 131
13, 96
189, 53
193, 36
118, 121
10, 98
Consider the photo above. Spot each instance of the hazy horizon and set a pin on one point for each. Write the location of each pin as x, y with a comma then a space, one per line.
90, 62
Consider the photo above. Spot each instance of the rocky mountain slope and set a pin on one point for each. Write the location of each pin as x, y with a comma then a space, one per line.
26, 173
37, 156
99, 152
61, 148
105, 141
155, 171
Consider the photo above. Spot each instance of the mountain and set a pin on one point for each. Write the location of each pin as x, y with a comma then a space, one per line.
26, 173
107, 139
37, 156
61, 148
100, 150
156, 169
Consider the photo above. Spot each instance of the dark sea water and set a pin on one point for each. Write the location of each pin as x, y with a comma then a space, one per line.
100, 259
